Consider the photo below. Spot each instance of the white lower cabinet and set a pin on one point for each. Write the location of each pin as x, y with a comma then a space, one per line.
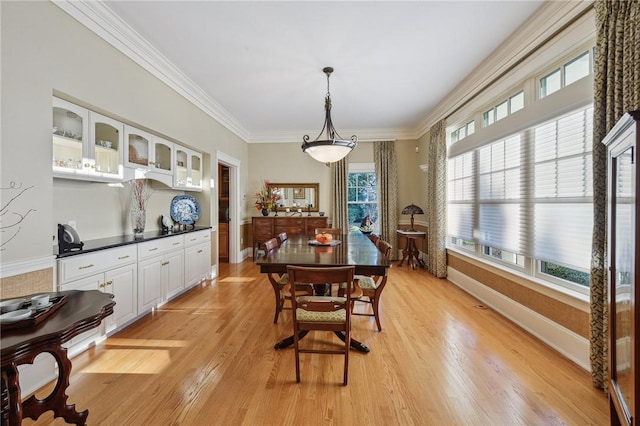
140, 276
160, 271
197, 257
110, 271
123, 284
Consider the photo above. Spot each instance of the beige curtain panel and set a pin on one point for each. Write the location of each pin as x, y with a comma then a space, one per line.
339, 173
384, 157
436, 208
616, 91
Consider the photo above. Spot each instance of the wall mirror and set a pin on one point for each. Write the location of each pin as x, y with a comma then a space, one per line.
296, 196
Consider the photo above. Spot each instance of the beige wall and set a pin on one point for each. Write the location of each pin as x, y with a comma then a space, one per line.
45, 52
286, 163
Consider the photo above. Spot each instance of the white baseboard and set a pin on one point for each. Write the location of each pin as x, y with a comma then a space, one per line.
565, 341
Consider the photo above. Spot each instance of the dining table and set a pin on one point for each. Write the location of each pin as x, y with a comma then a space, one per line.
353, 248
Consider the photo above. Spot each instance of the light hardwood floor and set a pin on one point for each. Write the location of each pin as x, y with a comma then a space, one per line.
207, 358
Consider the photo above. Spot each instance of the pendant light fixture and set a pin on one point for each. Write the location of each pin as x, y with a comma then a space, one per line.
332, 148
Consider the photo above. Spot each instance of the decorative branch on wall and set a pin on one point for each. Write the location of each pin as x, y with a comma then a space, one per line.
10, 219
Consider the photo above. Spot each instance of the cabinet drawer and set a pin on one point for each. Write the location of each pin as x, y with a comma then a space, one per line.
159, 246
83, 265
198, 237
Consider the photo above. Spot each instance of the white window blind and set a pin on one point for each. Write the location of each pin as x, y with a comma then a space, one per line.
532, 194
563, 190
460, 193
500, 194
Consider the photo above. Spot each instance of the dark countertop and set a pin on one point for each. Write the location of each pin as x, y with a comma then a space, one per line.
122, 240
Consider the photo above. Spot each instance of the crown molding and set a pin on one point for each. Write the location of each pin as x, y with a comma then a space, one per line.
550, 18
100, 19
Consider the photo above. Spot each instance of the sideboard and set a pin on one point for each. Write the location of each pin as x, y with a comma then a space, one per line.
266, 227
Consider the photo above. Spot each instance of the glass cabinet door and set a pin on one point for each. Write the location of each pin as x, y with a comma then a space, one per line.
623, 223
70, 130
180, 173
188, 168
196, 170
162, 155
106, 145
138, 146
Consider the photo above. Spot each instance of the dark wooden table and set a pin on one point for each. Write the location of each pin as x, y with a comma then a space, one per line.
82, 311
355, 249
411, 252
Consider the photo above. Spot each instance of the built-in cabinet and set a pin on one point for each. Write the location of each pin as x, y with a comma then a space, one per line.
147, 151
624, 270
91, 146
86, 145
188, 168
197, 257
111, 271
160, 271
141, 277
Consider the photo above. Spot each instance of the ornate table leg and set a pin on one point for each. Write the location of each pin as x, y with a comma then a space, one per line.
405, 253
10, 375
57, 400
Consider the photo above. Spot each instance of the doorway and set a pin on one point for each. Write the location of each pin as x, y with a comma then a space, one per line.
223, 213
229, 247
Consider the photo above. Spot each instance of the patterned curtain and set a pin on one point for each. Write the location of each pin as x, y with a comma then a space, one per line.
384, 158
436, 211
339, 173
616, 91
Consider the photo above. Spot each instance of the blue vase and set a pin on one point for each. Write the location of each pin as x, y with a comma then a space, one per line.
265, 212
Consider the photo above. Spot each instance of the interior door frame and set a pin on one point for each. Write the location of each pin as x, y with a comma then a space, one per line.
234, 208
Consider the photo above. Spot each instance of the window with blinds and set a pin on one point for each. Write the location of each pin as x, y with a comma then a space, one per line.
529, 195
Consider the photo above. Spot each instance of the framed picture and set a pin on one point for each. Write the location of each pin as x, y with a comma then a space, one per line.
298, 194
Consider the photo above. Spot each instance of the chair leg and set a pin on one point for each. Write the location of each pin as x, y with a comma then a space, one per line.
374, 303
347, 346
297, 353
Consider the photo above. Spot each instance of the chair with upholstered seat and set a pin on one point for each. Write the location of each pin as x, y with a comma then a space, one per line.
280, 283
372, 286
326, 313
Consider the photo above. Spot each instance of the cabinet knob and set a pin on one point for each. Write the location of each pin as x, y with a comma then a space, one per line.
123, 257
165, 263
109, 282
91, 265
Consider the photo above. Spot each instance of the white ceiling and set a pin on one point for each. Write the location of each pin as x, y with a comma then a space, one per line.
262, 61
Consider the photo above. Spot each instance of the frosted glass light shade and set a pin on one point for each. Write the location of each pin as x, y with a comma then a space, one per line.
328, 151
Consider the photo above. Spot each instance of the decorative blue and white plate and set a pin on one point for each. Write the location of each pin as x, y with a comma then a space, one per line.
185, 209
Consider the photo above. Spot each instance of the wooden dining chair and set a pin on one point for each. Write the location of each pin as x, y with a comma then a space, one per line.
332, 231
282, 237
371, 286
374, 238
325, 313
280, 283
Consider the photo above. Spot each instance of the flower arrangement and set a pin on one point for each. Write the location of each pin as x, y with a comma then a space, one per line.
267, 198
